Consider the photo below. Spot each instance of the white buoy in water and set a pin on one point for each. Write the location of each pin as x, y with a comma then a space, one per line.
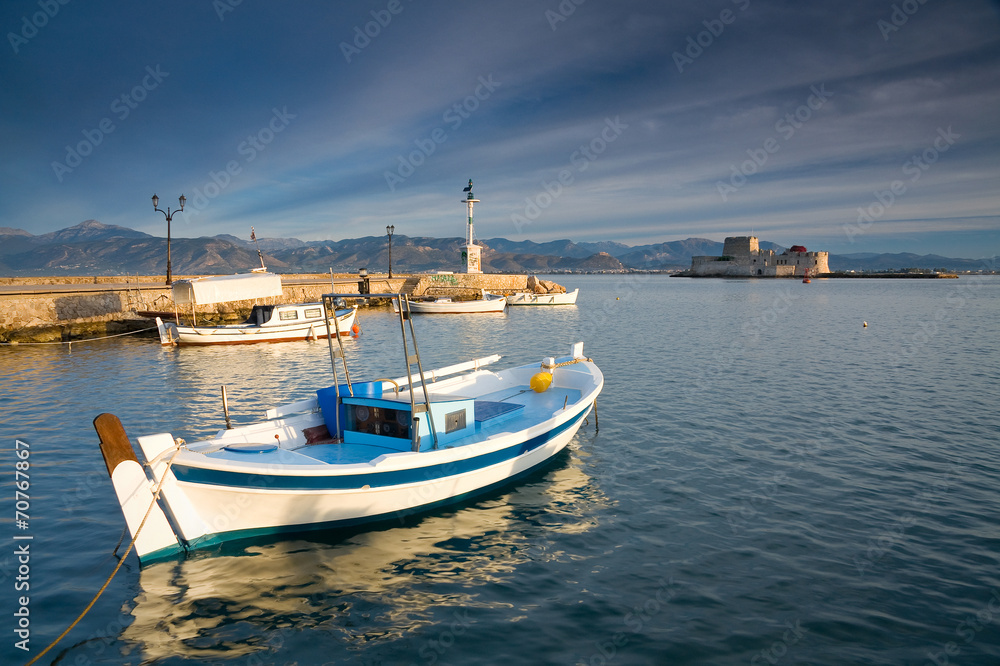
864, 324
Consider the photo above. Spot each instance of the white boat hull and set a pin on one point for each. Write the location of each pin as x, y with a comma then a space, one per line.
310, 329
230, 512
523, 298
492, 303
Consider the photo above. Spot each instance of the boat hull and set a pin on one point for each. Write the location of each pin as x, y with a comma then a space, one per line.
237, 512
492, 303
172, 333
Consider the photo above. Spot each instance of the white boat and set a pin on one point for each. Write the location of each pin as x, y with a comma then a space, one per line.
526, 298
353, 453
266, 323
446, 305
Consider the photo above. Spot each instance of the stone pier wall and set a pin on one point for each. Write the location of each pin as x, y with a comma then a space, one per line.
107, 304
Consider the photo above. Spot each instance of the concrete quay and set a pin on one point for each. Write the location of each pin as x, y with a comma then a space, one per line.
50, 309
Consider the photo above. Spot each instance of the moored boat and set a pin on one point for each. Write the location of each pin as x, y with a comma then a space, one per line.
447, 305
266, 323
353, 453
527, 298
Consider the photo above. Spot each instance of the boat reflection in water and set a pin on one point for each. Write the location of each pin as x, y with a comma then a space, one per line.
370, 585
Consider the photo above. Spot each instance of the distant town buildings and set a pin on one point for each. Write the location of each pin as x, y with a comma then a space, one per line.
742, 256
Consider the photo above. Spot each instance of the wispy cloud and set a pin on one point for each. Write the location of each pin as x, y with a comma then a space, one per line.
324, 175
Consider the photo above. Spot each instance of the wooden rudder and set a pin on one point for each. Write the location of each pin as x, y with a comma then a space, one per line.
114, 442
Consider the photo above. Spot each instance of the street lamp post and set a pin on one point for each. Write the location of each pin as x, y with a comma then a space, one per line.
169, 215
389, 229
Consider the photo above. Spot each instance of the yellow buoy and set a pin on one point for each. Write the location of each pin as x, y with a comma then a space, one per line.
541, 381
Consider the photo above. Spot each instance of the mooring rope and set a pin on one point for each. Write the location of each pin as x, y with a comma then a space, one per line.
70, 342
156, 496
559, 365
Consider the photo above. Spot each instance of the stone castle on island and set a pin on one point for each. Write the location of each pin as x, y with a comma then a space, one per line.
742, 257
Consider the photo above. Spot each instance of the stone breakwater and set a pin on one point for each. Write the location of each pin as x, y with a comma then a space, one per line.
71, 308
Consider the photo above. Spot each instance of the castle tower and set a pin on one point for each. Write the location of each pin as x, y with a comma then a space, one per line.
471, 253
740, 246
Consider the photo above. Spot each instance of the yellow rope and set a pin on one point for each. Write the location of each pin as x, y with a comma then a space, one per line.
559, 365
156, 496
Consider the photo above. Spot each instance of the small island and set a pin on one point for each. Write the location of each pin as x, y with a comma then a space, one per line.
742, 257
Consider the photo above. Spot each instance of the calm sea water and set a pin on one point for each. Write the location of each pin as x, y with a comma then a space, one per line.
772, 483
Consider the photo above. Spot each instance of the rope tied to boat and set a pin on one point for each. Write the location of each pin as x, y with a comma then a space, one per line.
15, 343
135, 537
550, 368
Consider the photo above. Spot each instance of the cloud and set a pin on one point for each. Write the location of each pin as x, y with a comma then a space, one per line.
558, 81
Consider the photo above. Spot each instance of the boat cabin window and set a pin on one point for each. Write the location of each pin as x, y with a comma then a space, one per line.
379, 421
260, 314
288, 315
313, 313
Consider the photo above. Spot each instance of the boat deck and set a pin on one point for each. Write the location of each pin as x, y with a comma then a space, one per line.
518, 406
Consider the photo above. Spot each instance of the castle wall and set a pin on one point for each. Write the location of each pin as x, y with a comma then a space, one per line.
742, 256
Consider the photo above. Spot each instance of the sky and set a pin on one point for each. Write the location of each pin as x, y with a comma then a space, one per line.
855, 126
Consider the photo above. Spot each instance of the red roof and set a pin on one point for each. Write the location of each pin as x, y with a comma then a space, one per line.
797, 248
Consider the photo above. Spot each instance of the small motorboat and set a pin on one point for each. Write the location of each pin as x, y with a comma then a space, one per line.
447, 305
528, 298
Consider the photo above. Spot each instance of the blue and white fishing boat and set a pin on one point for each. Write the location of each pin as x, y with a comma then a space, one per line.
355, 452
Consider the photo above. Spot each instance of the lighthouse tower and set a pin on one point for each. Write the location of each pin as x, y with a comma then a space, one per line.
471, 253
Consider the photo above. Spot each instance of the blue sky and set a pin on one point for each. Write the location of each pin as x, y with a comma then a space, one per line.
851, 126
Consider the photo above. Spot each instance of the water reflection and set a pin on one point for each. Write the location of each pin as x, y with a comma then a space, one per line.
370, 585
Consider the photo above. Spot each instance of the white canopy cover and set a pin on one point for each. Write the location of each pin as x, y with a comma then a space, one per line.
222, 288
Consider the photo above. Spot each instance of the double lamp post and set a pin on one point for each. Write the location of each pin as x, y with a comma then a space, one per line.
389, 229
169, 215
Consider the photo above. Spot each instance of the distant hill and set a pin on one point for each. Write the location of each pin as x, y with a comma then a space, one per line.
94, 248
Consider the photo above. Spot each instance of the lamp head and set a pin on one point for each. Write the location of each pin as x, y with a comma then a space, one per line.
182, 200
156, 202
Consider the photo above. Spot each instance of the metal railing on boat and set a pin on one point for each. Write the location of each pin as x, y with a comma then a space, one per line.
405, 316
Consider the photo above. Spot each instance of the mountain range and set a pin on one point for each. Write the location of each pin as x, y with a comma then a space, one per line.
94, 248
